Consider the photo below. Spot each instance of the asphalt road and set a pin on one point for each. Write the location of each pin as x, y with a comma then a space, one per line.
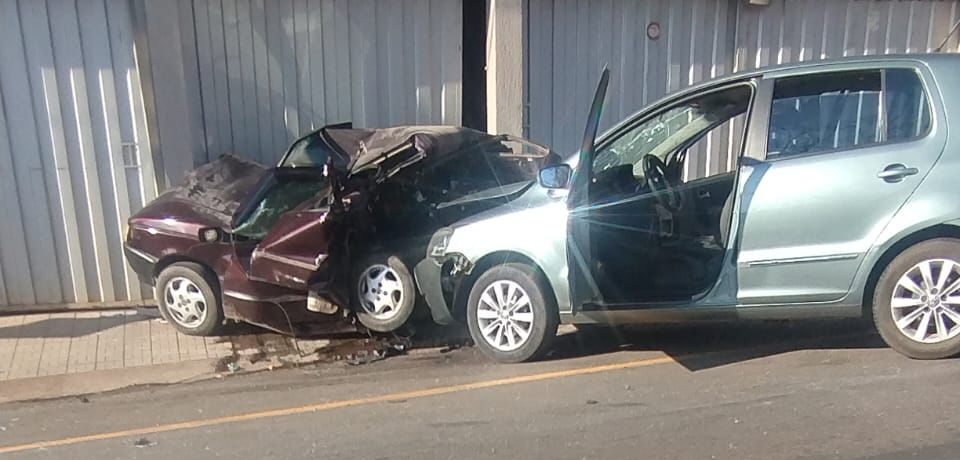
760, 391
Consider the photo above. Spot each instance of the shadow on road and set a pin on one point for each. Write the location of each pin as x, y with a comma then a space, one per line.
703, 346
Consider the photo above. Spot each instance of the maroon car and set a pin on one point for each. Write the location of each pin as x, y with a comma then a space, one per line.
327, 236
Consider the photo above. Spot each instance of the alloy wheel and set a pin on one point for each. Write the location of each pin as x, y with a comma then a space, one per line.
505, 315
185, 302
380, 292
926, 301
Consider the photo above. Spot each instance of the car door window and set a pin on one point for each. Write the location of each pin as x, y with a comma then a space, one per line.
907, 110
672, 131
842, 110
815, 113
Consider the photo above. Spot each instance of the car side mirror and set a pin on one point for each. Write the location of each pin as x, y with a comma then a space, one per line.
556, 176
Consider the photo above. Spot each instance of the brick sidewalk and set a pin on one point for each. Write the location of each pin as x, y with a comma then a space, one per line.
68, 343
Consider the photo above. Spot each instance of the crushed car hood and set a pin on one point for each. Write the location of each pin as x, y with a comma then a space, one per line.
212, 193
369, 147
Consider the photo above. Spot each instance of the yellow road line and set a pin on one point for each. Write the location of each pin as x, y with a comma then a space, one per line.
436, 391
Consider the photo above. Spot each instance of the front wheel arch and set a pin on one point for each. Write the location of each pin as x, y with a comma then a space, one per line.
462, 292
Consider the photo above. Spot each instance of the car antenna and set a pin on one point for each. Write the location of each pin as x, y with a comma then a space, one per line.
947, 37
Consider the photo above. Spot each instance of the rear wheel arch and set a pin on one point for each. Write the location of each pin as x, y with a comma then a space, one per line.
904, 243
487, 262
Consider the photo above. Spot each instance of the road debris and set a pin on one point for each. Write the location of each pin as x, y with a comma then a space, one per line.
144, 442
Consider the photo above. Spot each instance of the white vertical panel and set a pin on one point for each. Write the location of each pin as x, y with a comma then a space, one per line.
234, 76
73, 158
570, 41
220, 100
248, 72
824, 29
49, 126
28, 167
261, 75
18, 286
95, 44
317, 64
271, 70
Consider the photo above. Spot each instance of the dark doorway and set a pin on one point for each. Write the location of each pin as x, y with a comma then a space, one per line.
474, 94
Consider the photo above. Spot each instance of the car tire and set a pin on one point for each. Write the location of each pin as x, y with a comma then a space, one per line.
188, 297
385, 294
913, 316
504, 327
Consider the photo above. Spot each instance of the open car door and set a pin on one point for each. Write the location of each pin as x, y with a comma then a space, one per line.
283, 233
293, 250
583, 287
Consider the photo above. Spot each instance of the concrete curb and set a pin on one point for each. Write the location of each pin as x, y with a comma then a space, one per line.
59, 386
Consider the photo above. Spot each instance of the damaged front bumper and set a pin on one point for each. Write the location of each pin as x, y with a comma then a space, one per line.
142, 263
437, 280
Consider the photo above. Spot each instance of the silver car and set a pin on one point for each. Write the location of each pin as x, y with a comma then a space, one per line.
821, 189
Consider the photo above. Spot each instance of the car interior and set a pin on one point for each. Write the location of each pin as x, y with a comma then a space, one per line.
300, 177
660, 214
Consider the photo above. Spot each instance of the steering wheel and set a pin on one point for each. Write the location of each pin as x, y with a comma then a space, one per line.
656, 173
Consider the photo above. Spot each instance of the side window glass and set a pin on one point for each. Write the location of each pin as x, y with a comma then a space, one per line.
308, 152
814, 113
908, 113
716, 152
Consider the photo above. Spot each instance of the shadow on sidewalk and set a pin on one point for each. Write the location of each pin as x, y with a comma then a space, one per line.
68, 327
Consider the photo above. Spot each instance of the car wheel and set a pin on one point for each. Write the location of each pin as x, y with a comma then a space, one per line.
916, 304
511, 319
188, 297
385, 293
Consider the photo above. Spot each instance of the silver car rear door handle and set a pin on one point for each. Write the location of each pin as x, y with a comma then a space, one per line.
896, 172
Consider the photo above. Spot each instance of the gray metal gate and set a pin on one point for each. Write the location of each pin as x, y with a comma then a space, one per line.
568, 41
74, 160
272, 70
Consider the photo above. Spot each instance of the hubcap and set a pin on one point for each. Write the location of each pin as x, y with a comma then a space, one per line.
505, 315
926, 301
380, 292
185, 303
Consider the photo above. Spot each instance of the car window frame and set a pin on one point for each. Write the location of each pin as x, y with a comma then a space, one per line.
882, 68
752, 82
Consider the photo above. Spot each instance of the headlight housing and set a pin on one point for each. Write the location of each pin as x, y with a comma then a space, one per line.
438, 243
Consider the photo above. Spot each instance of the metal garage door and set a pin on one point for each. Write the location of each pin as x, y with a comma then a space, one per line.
569, 41
802, 30
272, 70
73, 156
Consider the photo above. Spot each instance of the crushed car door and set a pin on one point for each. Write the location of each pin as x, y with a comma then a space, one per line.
293, 250
583, 288
284, 219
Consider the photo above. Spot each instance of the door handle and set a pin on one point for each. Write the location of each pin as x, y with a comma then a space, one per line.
703, 194
896, 172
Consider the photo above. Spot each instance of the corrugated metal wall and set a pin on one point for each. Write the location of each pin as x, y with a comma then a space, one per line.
803, 30
569, 41
272, 70
74, 160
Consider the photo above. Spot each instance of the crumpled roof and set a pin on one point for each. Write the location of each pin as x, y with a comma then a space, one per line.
366, 146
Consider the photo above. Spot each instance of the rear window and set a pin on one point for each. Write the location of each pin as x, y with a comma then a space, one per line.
842, 110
